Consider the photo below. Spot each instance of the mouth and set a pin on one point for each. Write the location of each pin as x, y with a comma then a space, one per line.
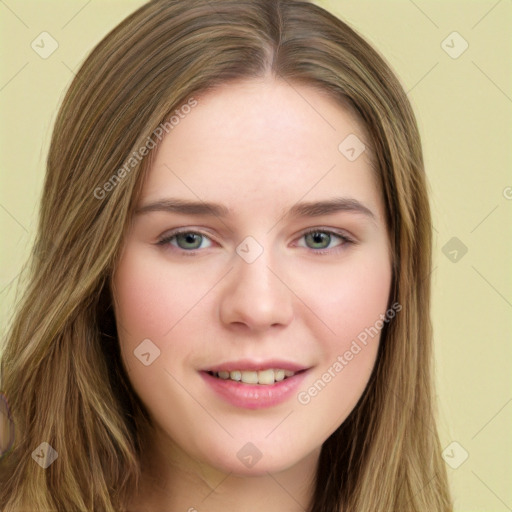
255, 385
261, 377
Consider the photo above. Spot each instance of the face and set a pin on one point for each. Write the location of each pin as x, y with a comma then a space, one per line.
249, 321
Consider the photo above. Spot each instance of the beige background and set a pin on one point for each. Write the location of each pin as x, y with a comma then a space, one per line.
464, 109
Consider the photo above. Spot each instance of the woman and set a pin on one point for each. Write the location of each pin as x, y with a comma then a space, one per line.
260, 369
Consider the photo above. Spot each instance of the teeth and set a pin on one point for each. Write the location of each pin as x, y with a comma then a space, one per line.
265, 377
236, 375
250, 377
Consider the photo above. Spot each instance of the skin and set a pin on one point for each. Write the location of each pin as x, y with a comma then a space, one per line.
257, 147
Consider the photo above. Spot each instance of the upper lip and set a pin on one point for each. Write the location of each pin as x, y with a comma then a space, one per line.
248, 364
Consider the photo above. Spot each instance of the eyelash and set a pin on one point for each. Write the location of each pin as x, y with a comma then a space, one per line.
165, 240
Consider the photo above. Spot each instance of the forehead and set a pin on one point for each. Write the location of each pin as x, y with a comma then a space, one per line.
265, 140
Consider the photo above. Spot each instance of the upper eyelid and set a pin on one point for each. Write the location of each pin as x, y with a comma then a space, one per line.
339, 233
345, 237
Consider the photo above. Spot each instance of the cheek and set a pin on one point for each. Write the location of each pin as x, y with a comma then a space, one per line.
351, 300
347, 298
363, 297
147, 306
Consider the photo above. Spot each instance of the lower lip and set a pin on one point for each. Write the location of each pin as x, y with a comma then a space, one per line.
254, 396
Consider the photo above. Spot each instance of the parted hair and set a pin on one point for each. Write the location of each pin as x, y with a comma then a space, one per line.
61, 367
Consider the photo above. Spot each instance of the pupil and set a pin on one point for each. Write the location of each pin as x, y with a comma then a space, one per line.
190, 238
319, 238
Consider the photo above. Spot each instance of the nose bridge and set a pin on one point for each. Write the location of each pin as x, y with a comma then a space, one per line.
256, 296
253, 267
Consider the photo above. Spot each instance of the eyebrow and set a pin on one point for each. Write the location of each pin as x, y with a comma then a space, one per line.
305, 209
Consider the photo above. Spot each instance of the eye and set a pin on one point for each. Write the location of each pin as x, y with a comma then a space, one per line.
320, 241
185, 240
323, 238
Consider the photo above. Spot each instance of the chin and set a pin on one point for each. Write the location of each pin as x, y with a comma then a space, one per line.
249, 461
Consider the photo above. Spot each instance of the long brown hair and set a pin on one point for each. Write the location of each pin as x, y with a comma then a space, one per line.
61, 368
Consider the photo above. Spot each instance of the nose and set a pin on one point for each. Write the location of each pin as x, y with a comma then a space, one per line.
256, 295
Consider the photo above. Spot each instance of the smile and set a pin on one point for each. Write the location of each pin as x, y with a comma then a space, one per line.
249, 384
262, 377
